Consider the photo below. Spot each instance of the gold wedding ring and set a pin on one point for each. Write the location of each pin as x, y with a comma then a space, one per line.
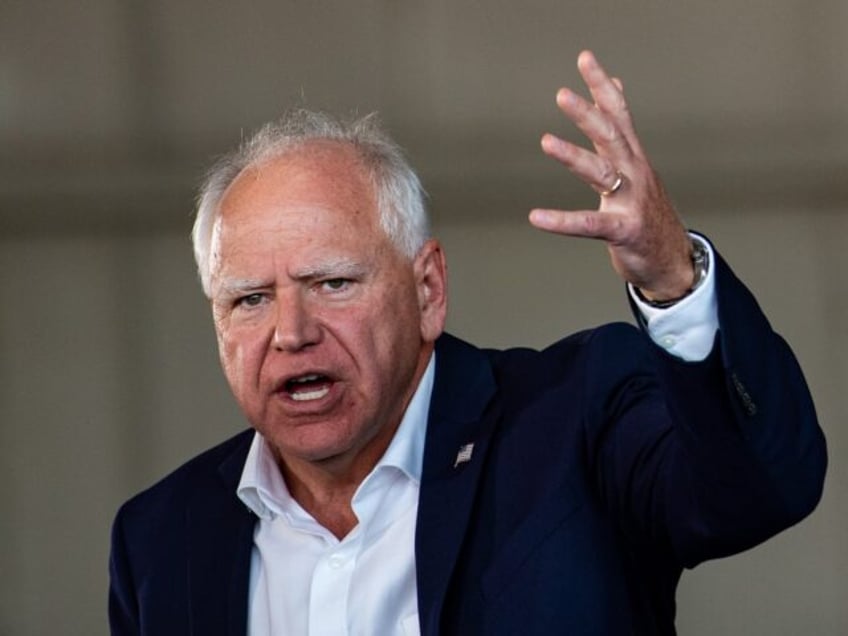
615, 187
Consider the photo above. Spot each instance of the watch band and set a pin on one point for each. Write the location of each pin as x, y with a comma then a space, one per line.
701, 265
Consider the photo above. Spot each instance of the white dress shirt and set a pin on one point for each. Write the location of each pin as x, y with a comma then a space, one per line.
304, 581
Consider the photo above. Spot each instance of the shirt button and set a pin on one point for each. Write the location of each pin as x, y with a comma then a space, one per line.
336, 561
667, 342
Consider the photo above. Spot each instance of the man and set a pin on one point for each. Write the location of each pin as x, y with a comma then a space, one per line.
400, 481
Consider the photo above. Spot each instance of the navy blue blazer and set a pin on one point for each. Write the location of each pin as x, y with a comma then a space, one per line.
601, 468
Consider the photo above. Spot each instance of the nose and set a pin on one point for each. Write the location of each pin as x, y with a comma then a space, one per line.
295, 327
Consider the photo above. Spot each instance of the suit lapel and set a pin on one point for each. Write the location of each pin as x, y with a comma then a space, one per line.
460, 415
219, 539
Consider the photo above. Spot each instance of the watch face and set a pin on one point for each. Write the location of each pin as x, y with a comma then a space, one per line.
700, 261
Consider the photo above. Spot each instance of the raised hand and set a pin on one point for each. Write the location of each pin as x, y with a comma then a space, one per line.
647, 242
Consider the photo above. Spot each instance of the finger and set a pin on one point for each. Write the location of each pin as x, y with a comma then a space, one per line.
601, 129
597, 171
608, 94
608, 226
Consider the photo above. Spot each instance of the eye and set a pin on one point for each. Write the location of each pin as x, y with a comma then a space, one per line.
251, 300
335, 284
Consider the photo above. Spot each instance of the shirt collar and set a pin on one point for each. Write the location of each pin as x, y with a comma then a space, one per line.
262, 487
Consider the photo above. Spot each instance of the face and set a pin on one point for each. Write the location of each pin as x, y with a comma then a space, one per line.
324, 328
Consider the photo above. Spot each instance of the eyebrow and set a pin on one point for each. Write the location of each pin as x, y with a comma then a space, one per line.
335, 268
339, 268
237, 286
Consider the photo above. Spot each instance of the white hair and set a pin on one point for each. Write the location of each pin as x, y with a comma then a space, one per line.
400, 197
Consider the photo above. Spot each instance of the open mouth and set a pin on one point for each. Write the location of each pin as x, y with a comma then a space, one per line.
308, 387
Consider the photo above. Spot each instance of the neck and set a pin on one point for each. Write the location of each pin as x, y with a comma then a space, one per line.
325, 487
329, 502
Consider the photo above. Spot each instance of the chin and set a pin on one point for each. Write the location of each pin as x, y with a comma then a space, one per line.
311, 445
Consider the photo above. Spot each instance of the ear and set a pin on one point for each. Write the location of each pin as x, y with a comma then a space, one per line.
431, 283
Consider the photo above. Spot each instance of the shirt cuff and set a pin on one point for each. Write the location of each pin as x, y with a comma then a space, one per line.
687, 329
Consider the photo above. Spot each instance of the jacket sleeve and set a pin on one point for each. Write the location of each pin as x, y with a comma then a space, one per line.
708, 458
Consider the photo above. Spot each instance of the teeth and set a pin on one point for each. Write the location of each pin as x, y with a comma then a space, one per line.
312, 386
305, 378
310, 395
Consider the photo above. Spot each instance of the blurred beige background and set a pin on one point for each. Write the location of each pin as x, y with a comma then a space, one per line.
109, 112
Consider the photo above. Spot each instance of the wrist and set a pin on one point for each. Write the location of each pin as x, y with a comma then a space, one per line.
700, 258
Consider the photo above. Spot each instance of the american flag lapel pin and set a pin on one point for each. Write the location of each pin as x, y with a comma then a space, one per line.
464, 454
